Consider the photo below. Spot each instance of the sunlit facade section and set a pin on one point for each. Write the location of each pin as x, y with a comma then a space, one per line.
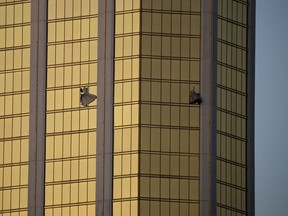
169, 125
126, 108
14, 106
232, 107
70, 163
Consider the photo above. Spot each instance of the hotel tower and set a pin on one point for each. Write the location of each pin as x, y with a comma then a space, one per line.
171, 132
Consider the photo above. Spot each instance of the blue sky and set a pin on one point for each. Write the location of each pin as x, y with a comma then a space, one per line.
271, 107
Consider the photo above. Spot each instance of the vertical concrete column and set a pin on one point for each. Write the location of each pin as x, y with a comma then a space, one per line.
37, 108
208, 108
251, 109
105, 90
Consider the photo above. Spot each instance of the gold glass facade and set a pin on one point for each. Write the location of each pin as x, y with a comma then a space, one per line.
232, 107
70, 164
14, 106
126, 108
156, 131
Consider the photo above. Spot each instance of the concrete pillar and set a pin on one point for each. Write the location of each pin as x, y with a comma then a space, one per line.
208, 107
37, 108
105, 89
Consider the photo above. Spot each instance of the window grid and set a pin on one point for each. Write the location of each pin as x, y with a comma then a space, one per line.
231, 107
14, 106
126, 108
162, 114
70, 163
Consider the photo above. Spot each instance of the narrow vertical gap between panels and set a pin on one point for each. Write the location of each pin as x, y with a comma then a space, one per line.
214, 105
250, 147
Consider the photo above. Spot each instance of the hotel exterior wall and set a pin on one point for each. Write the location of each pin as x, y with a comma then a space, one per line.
232, 107
14, 106
70, 163
126, 108
156, 143
156, 132
169, 125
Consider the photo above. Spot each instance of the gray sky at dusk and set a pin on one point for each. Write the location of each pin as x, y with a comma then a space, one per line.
271, 107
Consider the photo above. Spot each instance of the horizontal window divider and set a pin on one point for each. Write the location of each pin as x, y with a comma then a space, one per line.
172, 35
169, 58
232, 21
126, 176
142, 102
126, 80
14, 138
168, 176
22, 24
231, 208
69, 205
232, 67
127, 11
14, 164
168, 153
14, 48
65, 159
137, 33
69, 181
72, 18
72, 64
54, 43
127, 103
232, 44
94, 84
14, 187
180, 12
170, 81
16, 210
232, 90
126, 199
24, 69
231, 136
14, 93
231, 113
169, 127
71, 132
55, 111
126, 126
15, 2
131, 57
170, 200
125, 153
231, 162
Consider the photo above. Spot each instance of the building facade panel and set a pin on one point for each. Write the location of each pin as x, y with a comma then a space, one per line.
169, 125
70, 163
14, 106
232, 98
126, 108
